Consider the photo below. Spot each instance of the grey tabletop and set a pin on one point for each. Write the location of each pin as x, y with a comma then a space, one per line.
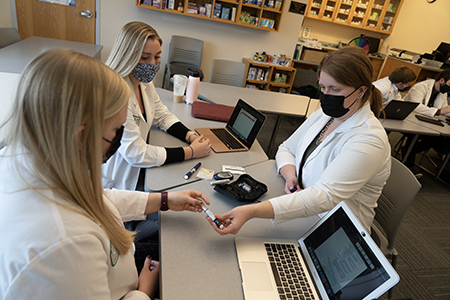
171, 175
443, 130
409, 125
196, 262
267, 102
15, 57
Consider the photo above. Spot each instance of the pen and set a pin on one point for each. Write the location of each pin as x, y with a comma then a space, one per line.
222, 181
192, 171
212, 217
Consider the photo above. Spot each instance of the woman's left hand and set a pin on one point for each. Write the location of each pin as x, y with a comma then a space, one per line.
186, 200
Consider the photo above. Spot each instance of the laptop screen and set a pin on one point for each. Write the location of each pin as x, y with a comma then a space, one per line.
245, 123
344, 261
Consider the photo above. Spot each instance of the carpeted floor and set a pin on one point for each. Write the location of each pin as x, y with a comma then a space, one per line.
423, 241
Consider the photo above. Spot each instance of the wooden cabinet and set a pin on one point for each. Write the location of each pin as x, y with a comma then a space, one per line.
372, 15
259, 14
269, 77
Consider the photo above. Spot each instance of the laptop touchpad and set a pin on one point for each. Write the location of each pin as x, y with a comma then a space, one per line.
256, 276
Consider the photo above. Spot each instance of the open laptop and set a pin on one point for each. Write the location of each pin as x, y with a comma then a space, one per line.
399, 110
336, 257
239, 133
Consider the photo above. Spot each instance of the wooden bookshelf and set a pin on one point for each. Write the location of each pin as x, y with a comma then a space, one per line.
256, 15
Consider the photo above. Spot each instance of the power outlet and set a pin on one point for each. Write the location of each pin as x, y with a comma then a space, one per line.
306, 32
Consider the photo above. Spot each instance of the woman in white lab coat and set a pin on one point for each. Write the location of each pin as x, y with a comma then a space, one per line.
136, 56
61, 234
340, 153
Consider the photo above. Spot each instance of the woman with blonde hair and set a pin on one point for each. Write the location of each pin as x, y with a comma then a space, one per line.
340, 153
136, 56
62, 234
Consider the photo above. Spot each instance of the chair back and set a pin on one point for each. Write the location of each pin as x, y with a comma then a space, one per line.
8, 36
227, 72
398, 193
186, 50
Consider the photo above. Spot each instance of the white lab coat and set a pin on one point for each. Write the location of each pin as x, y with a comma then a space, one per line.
48, 251
121, 171
388, 90
352, 164
421, 93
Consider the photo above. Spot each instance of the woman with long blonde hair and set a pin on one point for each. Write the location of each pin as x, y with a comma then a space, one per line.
62, 234
136, 56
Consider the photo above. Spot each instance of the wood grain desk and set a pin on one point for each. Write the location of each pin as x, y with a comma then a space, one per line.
171, 175
279, 104
15, 57
198, 263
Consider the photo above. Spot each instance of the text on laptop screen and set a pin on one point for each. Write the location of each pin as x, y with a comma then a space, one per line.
346, 266
243, 124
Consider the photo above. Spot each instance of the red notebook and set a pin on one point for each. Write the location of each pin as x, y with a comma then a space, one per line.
211, 111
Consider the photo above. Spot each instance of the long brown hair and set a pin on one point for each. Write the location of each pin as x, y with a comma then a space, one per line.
350, 66
63, 101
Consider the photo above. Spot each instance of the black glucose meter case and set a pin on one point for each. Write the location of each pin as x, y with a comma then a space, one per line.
244, 189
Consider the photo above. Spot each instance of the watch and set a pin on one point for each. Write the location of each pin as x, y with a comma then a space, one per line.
164, 202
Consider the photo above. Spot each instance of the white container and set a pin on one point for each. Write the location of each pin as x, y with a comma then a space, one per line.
192, 87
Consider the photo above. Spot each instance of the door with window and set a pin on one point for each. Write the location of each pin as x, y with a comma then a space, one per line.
59, 19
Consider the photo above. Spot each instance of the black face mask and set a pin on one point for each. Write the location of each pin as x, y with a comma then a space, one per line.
444, 89
115, 144
404, 89
333, 106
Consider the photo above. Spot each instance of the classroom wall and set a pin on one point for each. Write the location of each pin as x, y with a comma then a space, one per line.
420, 27
5, 13
221, 40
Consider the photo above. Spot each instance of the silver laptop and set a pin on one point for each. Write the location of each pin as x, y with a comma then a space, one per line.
398, 109
240, 132
335, 259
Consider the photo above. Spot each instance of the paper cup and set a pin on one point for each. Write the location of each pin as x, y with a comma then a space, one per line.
179, 86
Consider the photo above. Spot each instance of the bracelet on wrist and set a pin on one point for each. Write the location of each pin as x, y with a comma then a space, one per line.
192, 156
164, 202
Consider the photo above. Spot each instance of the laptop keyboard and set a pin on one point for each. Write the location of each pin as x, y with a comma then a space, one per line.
288, 272
227, 138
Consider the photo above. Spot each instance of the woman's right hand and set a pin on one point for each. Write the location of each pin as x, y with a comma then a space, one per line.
149, 277
291, 185
201, 147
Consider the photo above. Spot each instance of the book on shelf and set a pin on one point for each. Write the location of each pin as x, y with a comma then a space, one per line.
217, 9
171, 4
147, 2
208, 7
233, 14
157, 3
225, 13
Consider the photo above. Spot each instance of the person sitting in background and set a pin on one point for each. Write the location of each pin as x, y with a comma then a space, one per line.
62, 234
136, 56
400, 80
340, 153
432, 95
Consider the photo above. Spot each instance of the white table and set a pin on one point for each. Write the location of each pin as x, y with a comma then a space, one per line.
171, 175
279, 104
198, 263
15, 57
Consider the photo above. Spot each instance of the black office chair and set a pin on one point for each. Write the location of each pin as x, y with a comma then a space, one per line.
184, 53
